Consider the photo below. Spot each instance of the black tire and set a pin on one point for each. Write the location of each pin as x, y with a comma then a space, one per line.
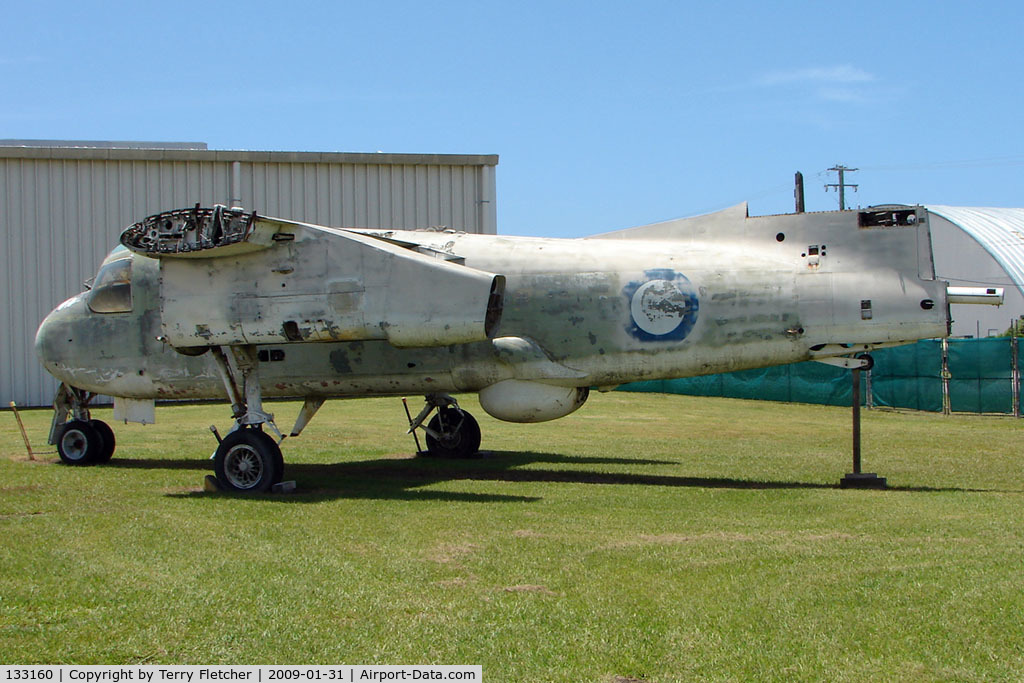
279, 465
249, 461
109, 443
459, 434
78, 443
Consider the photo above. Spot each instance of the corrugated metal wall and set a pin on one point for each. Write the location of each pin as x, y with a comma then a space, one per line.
62, 210
367, 195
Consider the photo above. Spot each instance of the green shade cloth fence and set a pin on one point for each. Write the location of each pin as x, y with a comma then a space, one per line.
981, 379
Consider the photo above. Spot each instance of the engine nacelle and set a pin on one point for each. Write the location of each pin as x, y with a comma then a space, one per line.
514, 400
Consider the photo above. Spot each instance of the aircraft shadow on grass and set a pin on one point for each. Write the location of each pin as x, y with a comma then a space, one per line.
404, 478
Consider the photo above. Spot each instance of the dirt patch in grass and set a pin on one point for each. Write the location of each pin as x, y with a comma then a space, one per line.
21, 489
457, 582
527, 533
730, 537
696, 538
452, 553
529, 588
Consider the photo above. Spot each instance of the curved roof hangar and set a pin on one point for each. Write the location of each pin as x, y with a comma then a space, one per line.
999, 231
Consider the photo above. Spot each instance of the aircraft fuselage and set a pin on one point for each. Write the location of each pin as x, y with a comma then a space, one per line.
675, 301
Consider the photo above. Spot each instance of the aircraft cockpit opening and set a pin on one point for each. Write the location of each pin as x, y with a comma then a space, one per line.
112, 290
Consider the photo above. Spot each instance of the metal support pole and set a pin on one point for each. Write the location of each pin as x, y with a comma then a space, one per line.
869, 392
856, 420
1014, 375
412, 429
858, 479
236, 184
947, 407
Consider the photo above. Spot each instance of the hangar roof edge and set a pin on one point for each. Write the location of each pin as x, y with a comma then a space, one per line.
168, 153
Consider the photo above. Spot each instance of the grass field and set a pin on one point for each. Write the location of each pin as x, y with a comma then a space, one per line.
646, 537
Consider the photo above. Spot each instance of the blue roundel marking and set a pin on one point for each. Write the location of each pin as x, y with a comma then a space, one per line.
662, 307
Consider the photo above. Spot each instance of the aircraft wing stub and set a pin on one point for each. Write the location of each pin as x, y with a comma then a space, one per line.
230, 278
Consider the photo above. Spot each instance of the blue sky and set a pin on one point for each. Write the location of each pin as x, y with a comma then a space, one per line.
604, 115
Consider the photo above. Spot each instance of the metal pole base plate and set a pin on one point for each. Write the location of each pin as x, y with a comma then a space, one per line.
862, 480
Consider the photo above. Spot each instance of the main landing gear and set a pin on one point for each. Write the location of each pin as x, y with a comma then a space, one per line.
80, 440
451, 433
248, 459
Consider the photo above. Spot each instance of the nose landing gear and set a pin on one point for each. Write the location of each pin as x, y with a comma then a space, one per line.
81, 440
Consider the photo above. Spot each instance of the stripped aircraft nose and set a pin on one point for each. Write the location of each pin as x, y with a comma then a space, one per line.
55, 338
93, 352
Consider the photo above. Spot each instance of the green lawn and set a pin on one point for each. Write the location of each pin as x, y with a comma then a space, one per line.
648, 537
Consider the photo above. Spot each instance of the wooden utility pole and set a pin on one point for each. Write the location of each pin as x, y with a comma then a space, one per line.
842, 184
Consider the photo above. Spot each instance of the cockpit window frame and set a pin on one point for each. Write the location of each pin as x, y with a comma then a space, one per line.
112, 289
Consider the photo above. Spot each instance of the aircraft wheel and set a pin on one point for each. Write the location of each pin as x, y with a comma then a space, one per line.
109, 443
248, 460
459, 434
79, 443
870, 360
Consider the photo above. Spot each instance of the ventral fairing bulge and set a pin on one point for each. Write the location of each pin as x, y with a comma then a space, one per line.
224, 304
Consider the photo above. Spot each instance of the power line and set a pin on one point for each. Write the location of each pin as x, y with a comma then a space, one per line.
1013, 160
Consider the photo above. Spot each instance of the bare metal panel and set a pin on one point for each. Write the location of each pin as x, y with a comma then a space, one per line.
63, 208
